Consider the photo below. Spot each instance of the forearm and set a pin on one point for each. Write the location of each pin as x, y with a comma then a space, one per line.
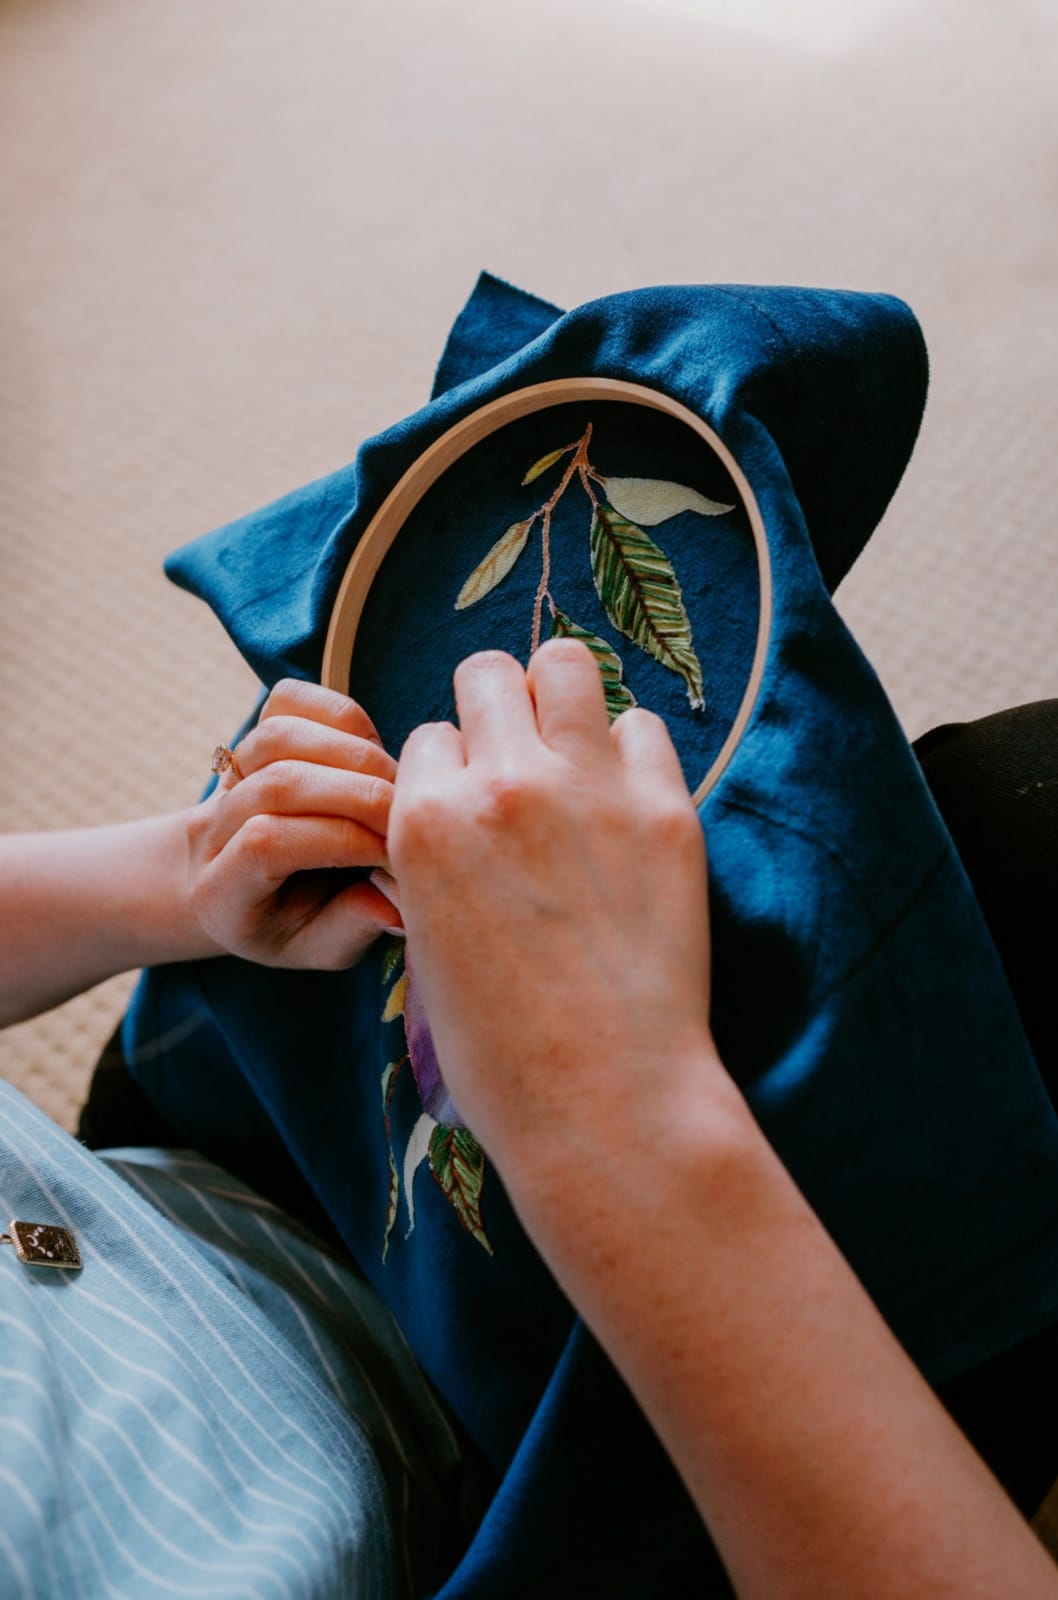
78, 906
820, 1460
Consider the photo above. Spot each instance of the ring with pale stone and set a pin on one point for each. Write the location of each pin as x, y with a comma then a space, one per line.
223, 758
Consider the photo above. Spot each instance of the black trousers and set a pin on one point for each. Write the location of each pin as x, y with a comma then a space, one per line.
995, 782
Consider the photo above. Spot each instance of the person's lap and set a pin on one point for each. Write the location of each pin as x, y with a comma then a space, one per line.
995, 783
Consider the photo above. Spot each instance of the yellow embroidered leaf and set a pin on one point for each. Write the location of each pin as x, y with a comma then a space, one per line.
651, 500
496, 565
395, 1003
457, 1161
542, 465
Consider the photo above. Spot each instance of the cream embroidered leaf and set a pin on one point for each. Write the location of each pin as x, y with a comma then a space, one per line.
618, 695
457, 1161
496, 565
652, 500
541, 466
395, 1001
389, 1080
642, 598
414, 1155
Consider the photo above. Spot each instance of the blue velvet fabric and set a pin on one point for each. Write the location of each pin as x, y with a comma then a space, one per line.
859, 1001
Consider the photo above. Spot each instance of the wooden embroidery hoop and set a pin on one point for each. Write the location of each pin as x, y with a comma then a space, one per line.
424, 472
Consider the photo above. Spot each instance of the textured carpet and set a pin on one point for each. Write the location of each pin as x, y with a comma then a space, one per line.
234, 237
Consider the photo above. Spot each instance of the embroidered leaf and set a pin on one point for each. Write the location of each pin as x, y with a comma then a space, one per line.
389, 1079
496, 565
457, 1161
418, 1145
541, 466
395, 1002
390, 956
651, 500
618, 695
638, 587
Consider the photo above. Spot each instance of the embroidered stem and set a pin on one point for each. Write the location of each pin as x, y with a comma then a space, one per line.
579, 465
545, 573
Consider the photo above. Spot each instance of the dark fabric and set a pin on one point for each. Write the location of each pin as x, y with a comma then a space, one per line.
118, 1115
860, 1004
995, 781
116, 1112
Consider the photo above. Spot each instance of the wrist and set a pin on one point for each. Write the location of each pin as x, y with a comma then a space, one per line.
146, 914
647, 1139
170, 914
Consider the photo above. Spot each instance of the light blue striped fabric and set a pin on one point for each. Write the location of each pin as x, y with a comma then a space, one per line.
214, 1406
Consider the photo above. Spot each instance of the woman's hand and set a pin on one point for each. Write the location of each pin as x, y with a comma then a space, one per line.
271, 855
553, 885
552, 877
263, 869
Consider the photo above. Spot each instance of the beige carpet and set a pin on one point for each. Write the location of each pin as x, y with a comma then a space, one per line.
235, 235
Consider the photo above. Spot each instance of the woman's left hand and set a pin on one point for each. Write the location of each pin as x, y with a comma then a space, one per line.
272, 854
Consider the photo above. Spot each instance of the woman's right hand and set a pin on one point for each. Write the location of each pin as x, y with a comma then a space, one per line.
270, 853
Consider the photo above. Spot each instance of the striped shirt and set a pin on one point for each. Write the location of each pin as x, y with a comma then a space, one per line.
214, 1406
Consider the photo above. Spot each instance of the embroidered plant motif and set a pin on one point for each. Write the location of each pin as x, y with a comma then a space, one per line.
455, 1159
638, 588
633, 577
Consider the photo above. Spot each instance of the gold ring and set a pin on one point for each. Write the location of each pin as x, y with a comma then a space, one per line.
223, 758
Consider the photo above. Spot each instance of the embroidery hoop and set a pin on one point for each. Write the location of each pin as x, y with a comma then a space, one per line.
424, 472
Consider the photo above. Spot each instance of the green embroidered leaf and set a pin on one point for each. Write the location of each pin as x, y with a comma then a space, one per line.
395, 1003
541, 466
638, 587
618, 695
418, 1145
651, 500
389, 1079
391, 955
457, 1161
496, 565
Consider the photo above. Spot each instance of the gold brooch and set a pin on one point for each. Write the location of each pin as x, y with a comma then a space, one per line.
41, 1244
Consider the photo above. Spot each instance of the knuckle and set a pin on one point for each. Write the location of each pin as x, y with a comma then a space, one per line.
291, 689
420, 826
257, 839
378, 795
199, 824
505, 797
263, 741
276, 785
369, 756
270, 790
278, 695
675, 821
349, 715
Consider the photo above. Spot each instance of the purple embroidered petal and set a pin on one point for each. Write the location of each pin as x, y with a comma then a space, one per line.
433, 1091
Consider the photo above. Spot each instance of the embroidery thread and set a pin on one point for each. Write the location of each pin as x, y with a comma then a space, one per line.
455, 1159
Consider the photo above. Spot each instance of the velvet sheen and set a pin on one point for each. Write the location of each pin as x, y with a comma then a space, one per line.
858, 1002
